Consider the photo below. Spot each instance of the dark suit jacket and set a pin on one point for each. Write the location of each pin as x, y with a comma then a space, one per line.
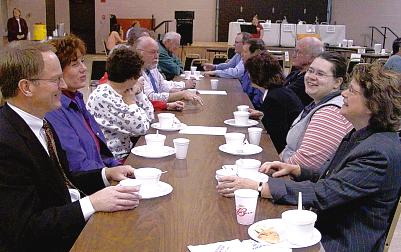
13, 31
355, 194
36, 210
280, 107
296, 82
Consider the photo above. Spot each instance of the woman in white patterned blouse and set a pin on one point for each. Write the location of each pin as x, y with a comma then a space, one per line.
120, 107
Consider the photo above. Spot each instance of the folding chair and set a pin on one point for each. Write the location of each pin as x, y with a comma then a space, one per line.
198, 63
188, 60
219, 58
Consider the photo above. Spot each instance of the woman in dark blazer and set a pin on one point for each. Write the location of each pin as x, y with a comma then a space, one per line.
17, 27
280, 105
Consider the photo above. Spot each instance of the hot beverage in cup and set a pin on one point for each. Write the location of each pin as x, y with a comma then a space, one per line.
254, 134
148, 177
214, 83
241, 117
243, 108
181, 147
234, 138
166, 120
245, 205
155, 140
299, 225
247, 168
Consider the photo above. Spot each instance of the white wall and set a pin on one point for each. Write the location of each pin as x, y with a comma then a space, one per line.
358, 15
204, 23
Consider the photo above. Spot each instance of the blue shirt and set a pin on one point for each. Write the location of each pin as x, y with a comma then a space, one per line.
394, 63
76, 140
255, 94
232, 69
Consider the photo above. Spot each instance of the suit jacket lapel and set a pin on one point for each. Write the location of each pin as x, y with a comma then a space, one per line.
38, 154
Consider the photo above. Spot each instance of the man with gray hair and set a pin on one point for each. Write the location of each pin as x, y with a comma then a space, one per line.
306, 50
169, 64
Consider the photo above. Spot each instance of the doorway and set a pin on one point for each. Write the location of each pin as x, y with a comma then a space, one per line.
82, 22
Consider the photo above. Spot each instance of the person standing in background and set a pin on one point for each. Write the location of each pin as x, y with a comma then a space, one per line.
259, 27
17, 27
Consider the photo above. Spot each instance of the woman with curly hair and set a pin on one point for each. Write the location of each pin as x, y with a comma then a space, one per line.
356, 193
120, 107
80, 135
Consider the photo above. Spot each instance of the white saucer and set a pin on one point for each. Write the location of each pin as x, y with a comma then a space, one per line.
159, 152
161, 189
250, 123
246, 149
279, 227
176, 126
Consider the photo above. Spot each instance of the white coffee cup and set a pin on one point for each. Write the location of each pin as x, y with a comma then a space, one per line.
243, 108
224, 172
245, 205
166, 120
155, 140
254, 134
214, 83
181, 147
148, 176
193, 69
299, 225
187, 75
241, 117
377, 48
234, 138
350, 43
247, 167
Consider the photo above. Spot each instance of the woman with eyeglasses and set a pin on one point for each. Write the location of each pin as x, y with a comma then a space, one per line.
356, 193
80, 136
316, 133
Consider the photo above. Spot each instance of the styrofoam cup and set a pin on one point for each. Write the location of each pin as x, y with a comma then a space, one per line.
254, 134
245, 205
193, 69
214, 83
181, 147
224, 172
187, 75
247, 167
350, 43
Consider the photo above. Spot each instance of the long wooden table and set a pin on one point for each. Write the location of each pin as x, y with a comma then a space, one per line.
194, 213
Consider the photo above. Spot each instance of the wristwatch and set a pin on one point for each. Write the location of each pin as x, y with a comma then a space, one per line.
260, 188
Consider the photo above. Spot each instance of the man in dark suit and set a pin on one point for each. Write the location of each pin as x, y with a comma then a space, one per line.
41, 206
17, 27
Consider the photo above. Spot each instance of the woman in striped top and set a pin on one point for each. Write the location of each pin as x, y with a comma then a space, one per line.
317, 132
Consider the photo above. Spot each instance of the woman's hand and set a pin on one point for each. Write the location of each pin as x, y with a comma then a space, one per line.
229, 184
279, 169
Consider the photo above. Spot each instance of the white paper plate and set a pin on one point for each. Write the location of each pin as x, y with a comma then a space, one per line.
159, 152
176, 126
279, 227
250, 123
246, 149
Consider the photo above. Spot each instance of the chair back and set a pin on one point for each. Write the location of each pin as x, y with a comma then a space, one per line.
393, 225
188, 60
219, 58
198, 63
352, 63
